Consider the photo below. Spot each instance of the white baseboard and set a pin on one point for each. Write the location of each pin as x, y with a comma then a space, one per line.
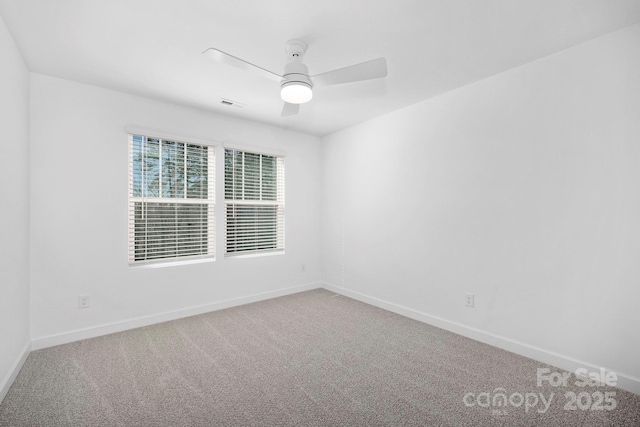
110, 328
5, 385
625, 381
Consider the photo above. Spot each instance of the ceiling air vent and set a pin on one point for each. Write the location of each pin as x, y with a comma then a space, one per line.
234, 104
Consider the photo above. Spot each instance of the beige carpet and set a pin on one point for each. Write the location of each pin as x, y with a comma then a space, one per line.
309, 359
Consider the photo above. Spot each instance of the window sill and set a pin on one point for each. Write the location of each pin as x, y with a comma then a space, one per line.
253, 255
170, 263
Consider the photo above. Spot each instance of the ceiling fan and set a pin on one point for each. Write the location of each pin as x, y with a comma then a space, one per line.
296, 85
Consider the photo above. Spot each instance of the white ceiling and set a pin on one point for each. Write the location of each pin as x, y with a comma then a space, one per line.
153, 47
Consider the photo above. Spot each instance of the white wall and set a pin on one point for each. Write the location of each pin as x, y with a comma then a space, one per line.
522, 189
14, 214
79, 212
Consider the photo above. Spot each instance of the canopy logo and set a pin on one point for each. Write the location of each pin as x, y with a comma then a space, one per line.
499, 399
500, 403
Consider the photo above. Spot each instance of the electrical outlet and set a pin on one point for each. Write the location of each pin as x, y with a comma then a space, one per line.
84, 301
304, 268
468, 300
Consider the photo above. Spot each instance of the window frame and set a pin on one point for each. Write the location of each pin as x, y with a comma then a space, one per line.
209, 201
278, 203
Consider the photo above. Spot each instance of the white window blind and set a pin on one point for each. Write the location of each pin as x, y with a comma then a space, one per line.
254, 202
171, 199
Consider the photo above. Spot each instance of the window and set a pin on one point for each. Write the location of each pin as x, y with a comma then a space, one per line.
254, 202
171, 199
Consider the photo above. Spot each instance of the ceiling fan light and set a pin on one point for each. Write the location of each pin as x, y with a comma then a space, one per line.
296, 92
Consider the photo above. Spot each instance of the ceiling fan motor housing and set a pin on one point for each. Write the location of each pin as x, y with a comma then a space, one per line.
296, 72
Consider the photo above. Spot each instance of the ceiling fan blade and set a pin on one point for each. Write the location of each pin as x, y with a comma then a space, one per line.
374, 69
290, 109
225, 58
